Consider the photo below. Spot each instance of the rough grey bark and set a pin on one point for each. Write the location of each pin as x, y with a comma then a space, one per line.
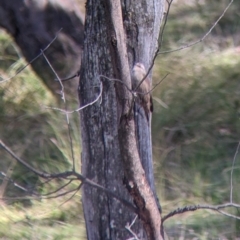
108, 130
105, 217
34, 23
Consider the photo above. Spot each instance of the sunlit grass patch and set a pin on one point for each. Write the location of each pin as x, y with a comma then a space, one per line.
45, 219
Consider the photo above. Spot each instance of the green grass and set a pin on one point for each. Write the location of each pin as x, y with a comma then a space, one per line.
45, 220
196, 121
198, 131
40, 137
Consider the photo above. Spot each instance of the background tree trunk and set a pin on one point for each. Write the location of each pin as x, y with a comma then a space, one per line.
34, 23
102, 160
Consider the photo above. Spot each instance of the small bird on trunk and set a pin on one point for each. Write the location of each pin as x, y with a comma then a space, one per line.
145, 98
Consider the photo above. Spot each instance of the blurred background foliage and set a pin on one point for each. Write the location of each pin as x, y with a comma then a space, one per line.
40, 136
195, 132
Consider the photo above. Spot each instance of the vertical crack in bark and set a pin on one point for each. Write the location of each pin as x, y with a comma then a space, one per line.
135, 177
105, 53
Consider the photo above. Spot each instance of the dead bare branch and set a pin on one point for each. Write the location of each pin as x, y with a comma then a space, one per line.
41, 174
55, 73
66, 112
155, 85
216, 208
205, 35
66, 175
58, 189
61, 194
18, 185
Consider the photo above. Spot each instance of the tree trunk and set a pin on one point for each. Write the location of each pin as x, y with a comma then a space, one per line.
116, 143
33, 24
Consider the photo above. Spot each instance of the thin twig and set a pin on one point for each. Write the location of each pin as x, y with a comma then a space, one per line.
41, 174
154, 85
128, 227
134, 220
65, 175
21, 198
233, 163
163, 28
203, 38
58, 189
229, 215
197, 207
35, 58
55, 73
61, 194
71, 147
66, 112
135, 237
158, 46
68, 78
79, 187
161, 36
116, 80
18, 185
82, 107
